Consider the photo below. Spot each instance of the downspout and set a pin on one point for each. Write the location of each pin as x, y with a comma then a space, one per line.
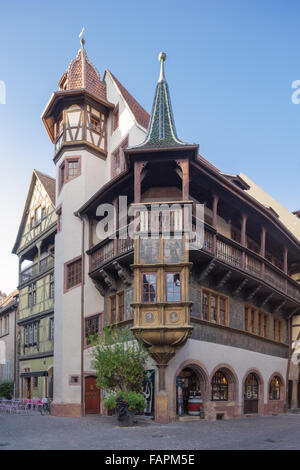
288, 366
82, 313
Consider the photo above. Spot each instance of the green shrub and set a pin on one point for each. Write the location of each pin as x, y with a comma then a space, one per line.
6, 389
136, 401
110, 402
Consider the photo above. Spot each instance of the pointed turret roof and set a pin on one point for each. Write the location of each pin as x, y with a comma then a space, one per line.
162, 131
82, 74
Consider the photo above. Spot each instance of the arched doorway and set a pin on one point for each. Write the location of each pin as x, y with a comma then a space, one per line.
251, 394
92, 396
190, 381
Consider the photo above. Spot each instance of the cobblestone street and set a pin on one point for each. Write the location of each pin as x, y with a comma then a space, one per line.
96, 432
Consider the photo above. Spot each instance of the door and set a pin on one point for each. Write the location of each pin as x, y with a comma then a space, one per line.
27, 387
251, 395
92, 396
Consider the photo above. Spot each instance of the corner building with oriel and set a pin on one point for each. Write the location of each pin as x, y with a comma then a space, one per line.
215, 315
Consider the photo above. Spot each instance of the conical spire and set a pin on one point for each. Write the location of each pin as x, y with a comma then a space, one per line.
162, 131
82, 74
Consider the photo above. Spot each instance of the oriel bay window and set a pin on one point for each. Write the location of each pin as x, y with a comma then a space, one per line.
214, 307
219, 387
149, 287
173, 287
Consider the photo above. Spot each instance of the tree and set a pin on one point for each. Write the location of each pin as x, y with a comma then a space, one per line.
120, 360
6, 389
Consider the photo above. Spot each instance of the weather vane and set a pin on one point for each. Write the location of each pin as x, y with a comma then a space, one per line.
82, 41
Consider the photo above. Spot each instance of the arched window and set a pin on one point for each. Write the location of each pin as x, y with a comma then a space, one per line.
219, 387
274, 392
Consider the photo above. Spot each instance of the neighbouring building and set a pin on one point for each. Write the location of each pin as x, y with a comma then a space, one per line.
8, 335
215, 315
292, 222
35, 248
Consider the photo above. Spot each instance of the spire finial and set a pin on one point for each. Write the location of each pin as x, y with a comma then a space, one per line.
162, 57
82, 41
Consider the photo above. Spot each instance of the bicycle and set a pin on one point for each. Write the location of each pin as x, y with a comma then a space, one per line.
45, 409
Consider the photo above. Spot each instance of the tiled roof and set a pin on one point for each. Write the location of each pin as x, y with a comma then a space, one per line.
141, 116
9, 298
48, 183
82, 74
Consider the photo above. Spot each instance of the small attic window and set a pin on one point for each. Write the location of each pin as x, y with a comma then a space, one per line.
115, 118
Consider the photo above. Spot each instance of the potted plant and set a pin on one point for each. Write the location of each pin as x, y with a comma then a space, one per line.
120, 362
126, 405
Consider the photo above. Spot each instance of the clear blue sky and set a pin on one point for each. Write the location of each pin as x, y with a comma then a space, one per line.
230, 67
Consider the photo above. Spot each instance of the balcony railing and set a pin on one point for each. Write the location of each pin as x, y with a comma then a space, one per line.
36, 269
108, 250
222, 248
239, 257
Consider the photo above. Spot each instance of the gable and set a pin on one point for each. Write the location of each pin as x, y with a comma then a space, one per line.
40, 200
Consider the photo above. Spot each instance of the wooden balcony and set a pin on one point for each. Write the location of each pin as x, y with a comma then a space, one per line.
36, 269
215, 246
109, 249
243, 259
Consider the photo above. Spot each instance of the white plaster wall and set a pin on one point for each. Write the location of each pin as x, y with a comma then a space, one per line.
127, 124
211, 355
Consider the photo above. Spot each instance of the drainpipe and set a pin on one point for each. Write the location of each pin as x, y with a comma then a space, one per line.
82, 311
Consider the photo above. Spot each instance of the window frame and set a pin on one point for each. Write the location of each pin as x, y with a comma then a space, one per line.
119, 150
218, 385
273, 390
99, 317
116, 299
209, 293
67, 265
72, 159
154, 273
167, 273
115, 113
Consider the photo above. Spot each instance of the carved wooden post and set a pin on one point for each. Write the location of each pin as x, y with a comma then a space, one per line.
263, 249
285, 265
116, 210
138, 168
243, 238
214, 221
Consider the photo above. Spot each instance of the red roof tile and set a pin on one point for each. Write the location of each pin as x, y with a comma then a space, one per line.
140, 114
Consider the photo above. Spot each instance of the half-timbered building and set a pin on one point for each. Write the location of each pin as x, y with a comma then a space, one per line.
35, 248
214, 314
8, 336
